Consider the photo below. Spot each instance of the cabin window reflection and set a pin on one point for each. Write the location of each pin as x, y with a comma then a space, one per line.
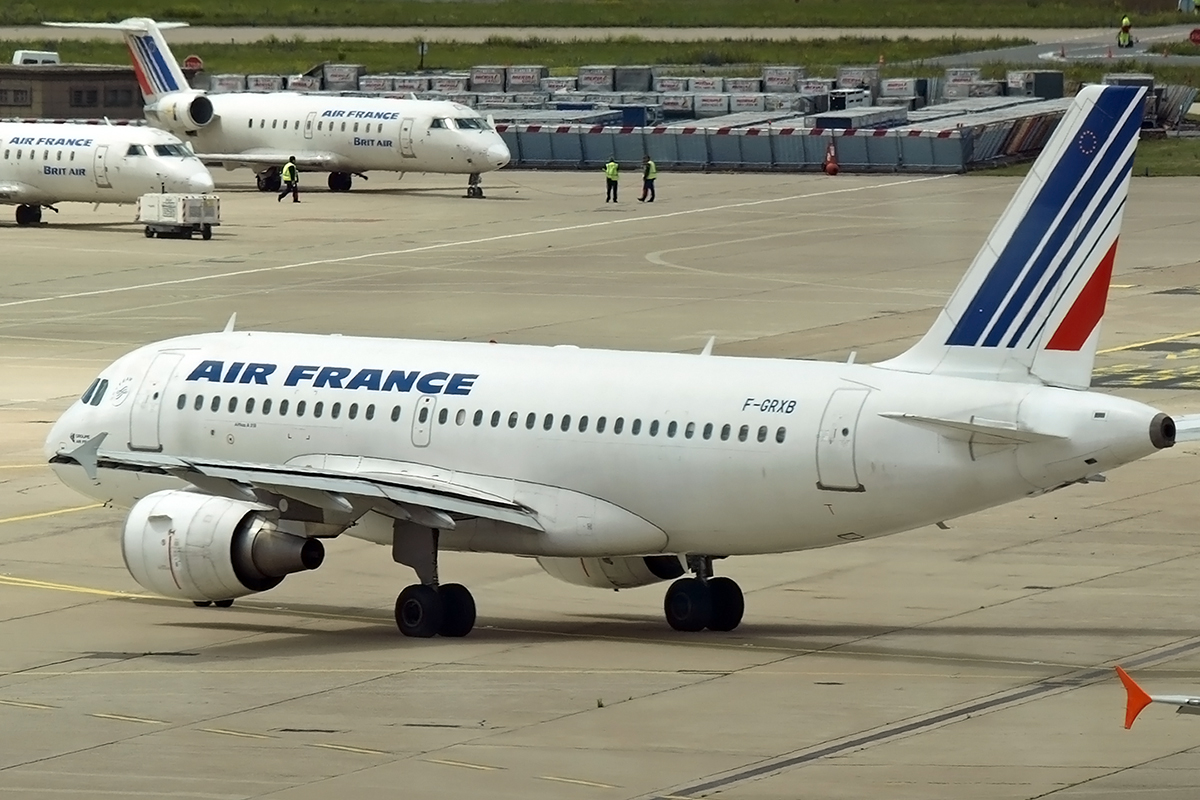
566, 423
725, 430
232, 405
512, 420
530, 420
423, 415
216, 404
671, 428
135, 150
780, 435
548, 422
199, 404
583, 423
396, 414
283, 408
654, 428
690, 430
443, 415
477, 420
335, 410
266, 406
708, 429
370, 411
618, 424
743, 432
762, 433
301, 405
250, 405
636, 427
180, 403
274, 123
99, 395
460, 416
495, 419
352, 412
601, 422
318, 409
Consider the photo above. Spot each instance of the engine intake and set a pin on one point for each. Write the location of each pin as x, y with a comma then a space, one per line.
200, 547
1162, 431
614, 573
183, 111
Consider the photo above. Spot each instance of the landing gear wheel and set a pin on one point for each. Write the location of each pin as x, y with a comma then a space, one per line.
728, 605
149, 233
340, 181
222, 603
268, 181
202, 603
688, 605
206, 232
458, 610
29, 215
419, 611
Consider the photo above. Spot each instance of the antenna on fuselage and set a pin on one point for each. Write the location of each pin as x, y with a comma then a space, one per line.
229, 325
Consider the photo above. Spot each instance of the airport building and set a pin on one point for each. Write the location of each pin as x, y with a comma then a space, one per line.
69, 91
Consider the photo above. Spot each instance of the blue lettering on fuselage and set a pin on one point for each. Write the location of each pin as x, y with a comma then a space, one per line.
63, 171
346, 378
356, 114
51, 142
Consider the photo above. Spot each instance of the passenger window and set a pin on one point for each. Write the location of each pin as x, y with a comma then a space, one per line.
199, 404
250, 405
671, 428
320, 125
318, 409
232, 405
283, 408
689, 430
300, 406
181, 402
743, 432
423, 417
58, 156
460, 416
780, 435
285, 124
708, 430
548, 422
396, 414
600, 423
583, 423
19, 153
530, 420
336, 410
262, 123
654, 428
370, 411
478, 418
725, 429
512, 420
618, 424
495, 419
443, 415
251, 125
343, 127
566, 422
45, 155
6, 152
636, 427
297, 125
99, 395
72, 155
216, 404
356, 127
274, 123
762, 433
353, 412
266, 406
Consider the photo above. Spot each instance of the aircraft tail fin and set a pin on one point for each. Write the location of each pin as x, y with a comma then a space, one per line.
1136, 698
157, 71
1029, 307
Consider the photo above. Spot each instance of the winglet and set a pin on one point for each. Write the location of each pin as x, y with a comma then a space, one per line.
232, 321
1136, 698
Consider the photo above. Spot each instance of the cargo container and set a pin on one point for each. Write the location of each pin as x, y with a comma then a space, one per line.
632, 79
451, 84
744, 85
784, 80
711, 105
525, 78
342, 77
227, 83
747, 102
858, 78
670, 83
816, 86
375, 83
559, 84
264, 83
179, 215
304, 83
486, 79
711, 84
678, 103
963, 74
410, 83
596, 79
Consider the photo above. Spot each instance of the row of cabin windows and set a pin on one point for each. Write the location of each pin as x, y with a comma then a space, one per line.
672, 429
262, 123
33, 154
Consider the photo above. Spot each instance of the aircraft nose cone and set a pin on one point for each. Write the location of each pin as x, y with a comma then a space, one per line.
199, 183
498, 155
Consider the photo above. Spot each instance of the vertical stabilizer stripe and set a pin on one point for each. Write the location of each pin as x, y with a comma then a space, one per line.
138, 72
168, 74
1085, 315
151, 70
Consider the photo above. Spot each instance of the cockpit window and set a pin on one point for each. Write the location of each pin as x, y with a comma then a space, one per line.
99, 394
88, 394
470, 124
135, 150
439, 123
171, 150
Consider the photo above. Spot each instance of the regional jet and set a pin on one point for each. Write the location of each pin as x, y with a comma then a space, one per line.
344, 136
46, 163
238, 452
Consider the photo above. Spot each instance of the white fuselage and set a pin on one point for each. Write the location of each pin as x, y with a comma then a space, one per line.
359, 134
46, 163
716, 455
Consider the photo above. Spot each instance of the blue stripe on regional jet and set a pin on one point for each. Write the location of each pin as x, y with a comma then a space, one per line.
321, 377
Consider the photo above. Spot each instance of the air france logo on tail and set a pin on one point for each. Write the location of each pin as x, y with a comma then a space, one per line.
154, 73
1048, 285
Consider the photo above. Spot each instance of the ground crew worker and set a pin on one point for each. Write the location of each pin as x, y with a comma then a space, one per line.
1125, 37
649, 173
291, 181
612, 173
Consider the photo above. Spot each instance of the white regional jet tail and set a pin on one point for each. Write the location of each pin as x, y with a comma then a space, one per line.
1029, 308
157, 71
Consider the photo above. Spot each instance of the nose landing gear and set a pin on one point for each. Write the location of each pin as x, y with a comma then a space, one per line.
475, 186
693, 604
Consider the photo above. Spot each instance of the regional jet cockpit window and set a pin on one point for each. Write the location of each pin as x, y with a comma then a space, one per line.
438, 123
470, 124
176, 150
135, 150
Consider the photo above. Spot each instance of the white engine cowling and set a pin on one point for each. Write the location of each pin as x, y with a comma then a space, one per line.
201, 547
614, 573
183, 111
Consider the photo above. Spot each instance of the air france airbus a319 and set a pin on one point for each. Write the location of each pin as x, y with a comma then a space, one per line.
344, 136
239, 451
45, 163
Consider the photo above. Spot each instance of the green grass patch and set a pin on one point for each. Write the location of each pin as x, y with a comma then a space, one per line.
1155, 158
594, 13
290, 56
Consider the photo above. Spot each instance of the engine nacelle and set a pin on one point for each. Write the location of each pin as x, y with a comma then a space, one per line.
183, 111
201, 547
614, 573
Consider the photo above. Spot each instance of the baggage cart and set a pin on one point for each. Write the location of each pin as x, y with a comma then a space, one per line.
179, 216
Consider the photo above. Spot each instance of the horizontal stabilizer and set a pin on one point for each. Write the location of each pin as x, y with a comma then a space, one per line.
977, 429
130, 25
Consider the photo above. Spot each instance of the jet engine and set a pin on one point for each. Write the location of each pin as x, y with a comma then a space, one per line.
614, 573
201, 547
180, 112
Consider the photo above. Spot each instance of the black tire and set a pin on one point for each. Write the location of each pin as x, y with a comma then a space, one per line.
688, 605
149, 233
458, 610
206, 232
23, 215
728, 605
202, 603
419, 611
273, 183
222, 603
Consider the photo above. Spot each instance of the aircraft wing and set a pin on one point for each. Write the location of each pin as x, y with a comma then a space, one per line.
13, 192
1187, 428
1136, 699
264, 158
426, 501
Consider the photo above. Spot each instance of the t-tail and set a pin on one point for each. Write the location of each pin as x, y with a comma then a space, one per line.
1030, 306
157, 71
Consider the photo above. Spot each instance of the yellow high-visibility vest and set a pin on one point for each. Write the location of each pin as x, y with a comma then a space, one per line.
289, 171
651, 170
611, 169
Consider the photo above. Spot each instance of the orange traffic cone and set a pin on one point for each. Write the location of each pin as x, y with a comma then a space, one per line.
831, 165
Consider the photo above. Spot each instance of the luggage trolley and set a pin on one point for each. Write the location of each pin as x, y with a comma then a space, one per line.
179, 216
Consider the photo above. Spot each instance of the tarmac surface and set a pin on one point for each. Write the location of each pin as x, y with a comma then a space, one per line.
969, 662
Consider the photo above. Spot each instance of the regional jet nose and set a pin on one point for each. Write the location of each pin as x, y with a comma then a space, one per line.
199, 183
498, 155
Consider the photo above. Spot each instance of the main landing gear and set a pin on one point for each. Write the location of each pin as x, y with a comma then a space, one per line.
269, 180
340, 181
29, 215
428, 608
693, 604
475, 186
